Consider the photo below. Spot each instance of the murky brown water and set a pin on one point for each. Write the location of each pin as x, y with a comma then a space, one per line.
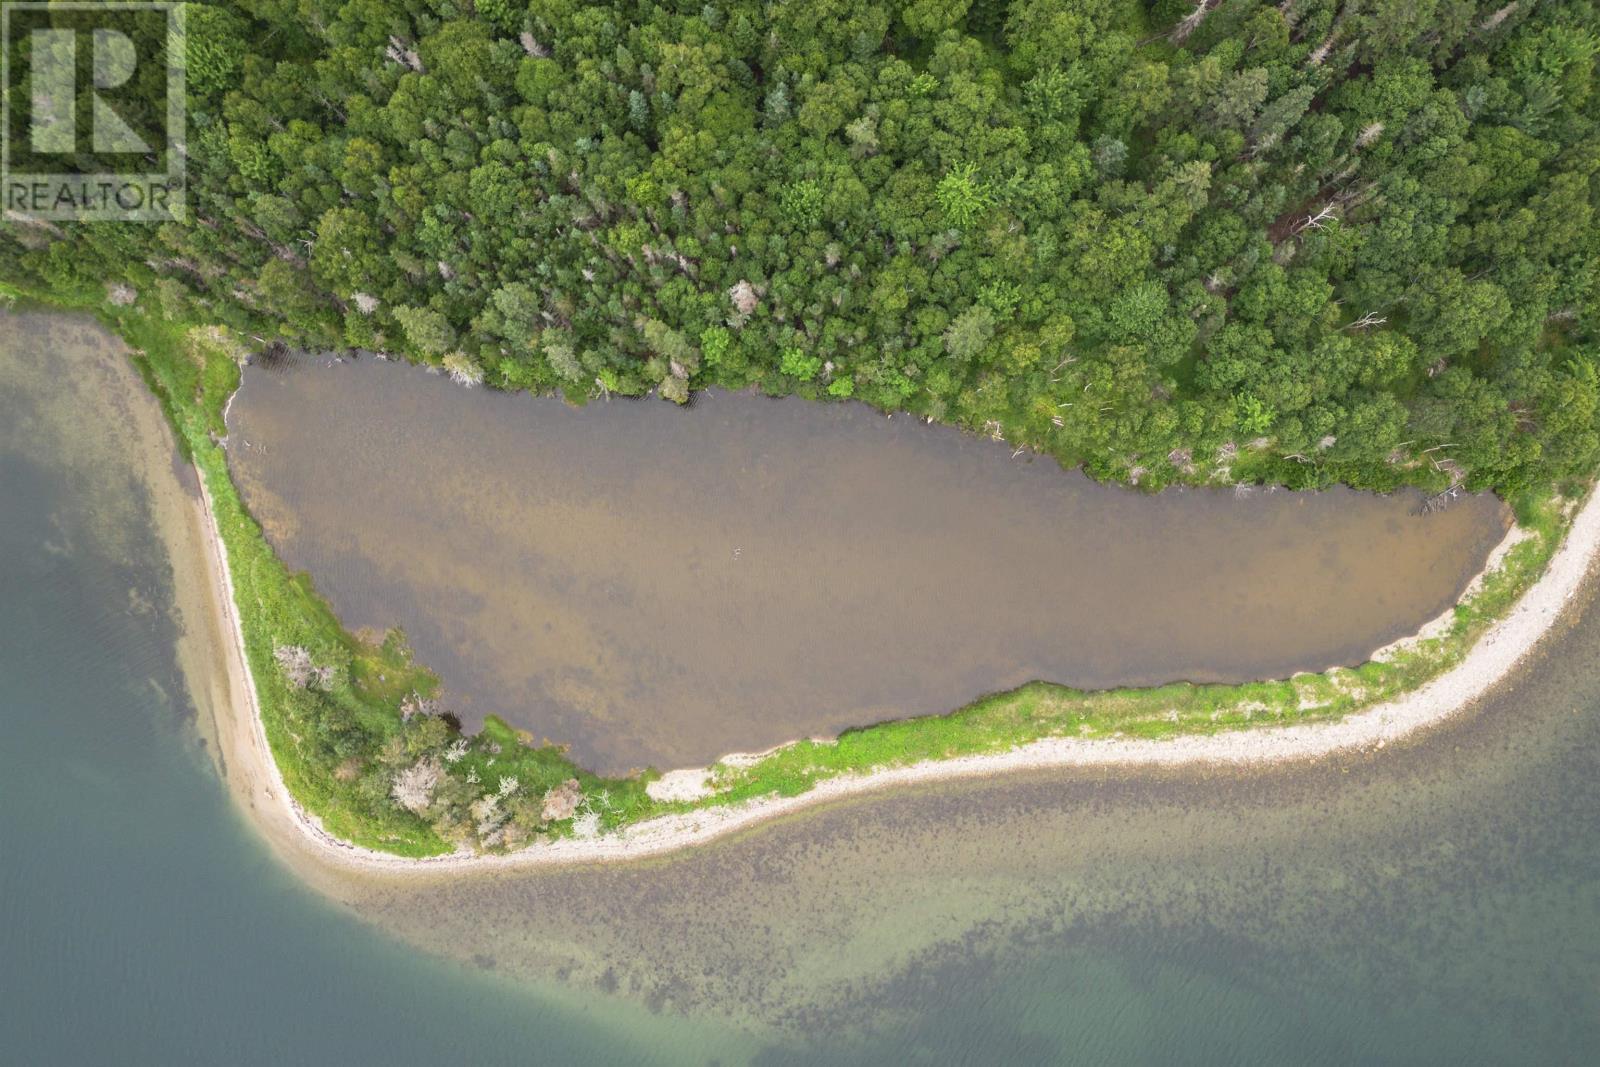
659, 586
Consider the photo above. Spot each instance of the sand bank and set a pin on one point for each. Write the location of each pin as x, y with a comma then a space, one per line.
1497, 652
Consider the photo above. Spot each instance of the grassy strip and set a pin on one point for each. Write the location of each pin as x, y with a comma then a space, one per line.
328, 742
338, 748
195, 373
1041, 710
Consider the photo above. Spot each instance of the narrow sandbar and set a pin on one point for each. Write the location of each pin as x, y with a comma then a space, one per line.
1496, 654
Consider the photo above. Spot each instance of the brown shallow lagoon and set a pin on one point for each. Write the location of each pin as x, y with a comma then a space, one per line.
657, 586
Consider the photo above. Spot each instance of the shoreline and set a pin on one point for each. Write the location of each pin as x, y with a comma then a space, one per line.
1498, 650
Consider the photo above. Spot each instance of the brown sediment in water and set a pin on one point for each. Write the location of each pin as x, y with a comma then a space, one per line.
213, 661
1495, 655
658, 587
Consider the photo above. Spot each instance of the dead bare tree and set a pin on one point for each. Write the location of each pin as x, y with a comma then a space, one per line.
1440, 500
1320, 53
745, 298
1324, 215
299, 670
413, 787
1369, 133
416, 704
561, 801
1498, 17
399, 52
1191, 22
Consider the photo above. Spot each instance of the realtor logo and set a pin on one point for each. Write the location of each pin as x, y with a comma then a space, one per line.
93, 102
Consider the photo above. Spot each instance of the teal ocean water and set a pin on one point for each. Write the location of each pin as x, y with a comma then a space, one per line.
1436, 903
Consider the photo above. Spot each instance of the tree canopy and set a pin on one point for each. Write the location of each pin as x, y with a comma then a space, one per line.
1309, 241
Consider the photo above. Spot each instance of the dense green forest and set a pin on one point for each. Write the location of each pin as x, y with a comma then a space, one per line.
1308, 241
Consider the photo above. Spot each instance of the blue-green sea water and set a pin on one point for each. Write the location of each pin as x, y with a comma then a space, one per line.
1435, 903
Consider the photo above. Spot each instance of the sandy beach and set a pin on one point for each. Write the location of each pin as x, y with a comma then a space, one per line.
255, 774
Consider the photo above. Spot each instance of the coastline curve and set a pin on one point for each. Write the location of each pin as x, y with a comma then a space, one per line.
1491, 658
